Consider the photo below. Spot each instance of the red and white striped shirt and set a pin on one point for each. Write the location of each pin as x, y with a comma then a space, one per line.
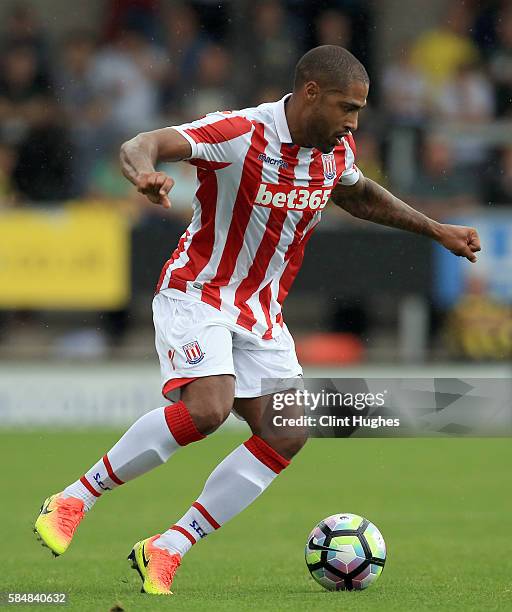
258, 199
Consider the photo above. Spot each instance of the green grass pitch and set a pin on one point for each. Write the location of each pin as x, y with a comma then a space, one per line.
444, 507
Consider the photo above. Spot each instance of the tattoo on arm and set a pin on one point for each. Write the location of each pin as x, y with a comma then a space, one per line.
373, 203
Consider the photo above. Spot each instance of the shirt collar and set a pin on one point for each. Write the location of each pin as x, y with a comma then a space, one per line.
283, 131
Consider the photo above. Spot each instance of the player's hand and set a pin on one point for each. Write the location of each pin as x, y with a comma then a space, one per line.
461, 241
155, 186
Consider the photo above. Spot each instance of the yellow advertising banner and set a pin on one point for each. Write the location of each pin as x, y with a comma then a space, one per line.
74, 257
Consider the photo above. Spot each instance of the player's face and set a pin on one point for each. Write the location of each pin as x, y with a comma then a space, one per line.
333, 113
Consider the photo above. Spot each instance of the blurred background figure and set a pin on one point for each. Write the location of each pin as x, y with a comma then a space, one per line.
213, 84
85, 108
468, 100
23, 27
334, 28
140, 15
127, 74
273, 46
499, 184
500, 63
184, 41
479, 327
440, 189
405, 95
23, 86
441, 51
43, 169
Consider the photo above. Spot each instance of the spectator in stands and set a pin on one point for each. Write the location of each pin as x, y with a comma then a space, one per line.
21, 85
438, 53
76, 88
439, 189
273, 48
184, 43
468, 98
43, 171
215, 18
127, 74
483, 29
479, 326
142, 15
23, 28
500, 63
213, 91
405, 93
334, 27
86, 111
345, 23
499, 184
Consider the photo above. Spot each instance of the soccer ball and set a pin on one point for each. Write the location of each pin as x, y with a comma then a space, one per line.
345, 552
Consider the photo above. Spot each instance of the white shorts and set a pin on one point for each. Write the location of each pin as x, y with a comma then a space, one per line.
194, 339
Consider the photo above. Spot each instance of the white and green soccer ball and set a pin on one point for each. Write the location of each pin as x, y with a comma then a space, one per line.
345, 552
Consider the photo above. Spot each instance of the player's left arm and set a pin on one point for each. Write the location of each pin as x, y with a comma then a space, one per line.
367, 200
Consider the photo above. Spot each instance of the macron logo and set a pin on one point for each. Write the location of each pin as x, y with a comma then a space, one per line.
273, 162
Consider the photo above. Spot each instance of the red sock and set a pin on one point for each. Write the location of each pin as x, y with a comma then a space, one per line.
181, 425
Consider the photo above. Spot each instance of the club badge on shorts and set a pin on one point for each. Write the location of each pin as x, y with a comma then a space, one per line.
193, 352
329, 164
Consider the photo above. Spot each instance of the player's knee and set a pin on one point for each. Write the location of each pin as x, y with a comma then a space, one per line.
209, 401
212, 415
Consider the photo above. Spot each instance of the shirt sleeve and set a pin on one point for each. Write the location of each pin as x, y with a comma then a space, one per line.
350, 174
216, 137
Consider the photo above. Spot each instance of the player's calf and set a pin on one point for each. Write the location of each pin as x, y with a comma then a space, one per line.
287, 447
286, 438
149, 442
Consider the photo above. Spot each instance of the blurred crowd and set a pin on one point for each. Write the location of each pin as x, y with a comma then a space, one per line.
65, 105
437, 129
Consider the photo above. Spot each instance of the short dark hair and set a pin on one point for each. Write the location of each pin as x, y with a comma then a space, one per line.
329, 65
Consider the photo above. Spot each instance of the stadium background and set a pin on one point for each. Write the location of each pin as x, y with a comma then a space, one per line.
80, 254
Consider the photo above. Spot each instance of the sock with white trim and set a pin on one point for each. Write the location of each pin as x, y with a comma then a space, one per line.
148, 443
234, 484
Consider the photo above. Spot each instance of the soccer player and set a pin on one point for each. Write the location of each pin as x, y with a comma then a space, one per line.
264, 176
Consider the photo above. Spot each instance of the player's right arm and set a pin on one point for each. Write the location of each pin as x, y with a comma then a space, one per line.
141, 154
214, 141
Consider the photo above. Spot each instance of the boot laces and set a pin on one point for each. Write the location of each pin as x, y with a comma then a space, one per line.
69, 517
164, 565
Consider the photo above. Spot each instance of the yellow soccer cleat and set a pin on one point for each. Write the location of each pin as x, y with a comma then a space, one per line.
156, 566
57, 522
